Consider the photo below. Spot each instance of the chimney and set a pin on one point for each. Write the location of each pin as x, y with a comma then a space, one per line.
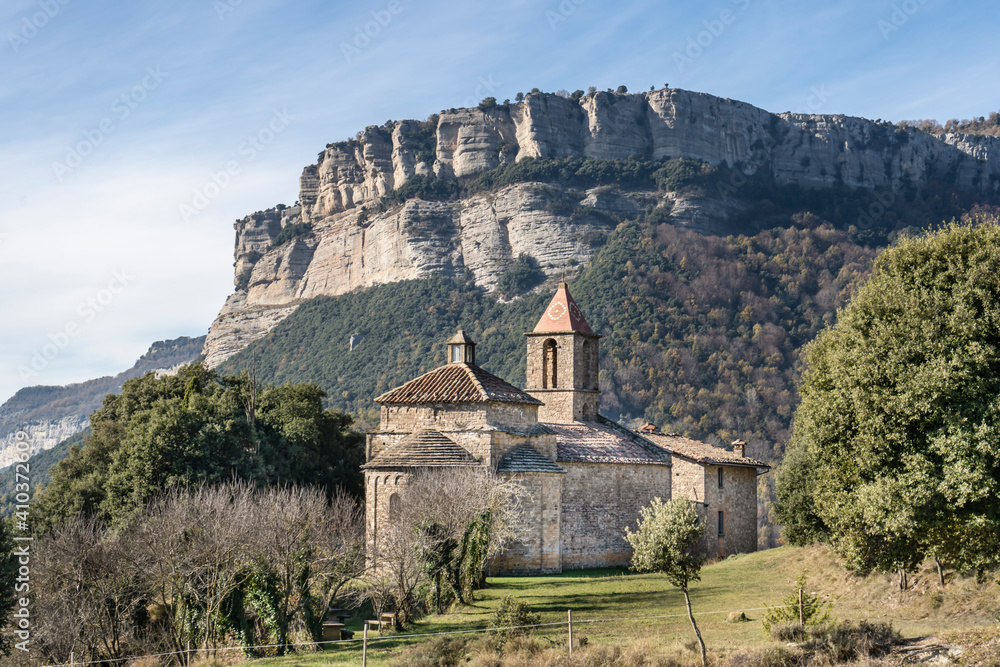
739, 448
648, 428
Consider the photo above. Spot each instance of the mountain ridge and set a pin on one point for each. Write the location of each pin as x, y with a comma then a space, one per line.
51, 414
353, 233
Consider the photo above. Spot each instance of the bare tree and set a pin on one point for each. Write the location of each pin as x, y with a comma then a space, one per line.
197, 546
88, 593
308, 548
451, 522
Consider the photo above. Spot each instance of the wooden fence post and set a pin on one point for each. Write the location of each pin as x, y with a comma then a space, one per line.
802, 613
364, 647
570, 614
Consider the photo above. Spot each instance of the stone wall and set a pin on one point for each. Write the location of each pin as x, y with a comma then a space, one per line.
486, 430
540, 551
599, 501
736, 499
458, 416
379, 489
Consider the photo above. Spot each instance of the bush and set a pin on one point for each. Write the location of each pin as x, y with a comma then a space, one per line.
788, 632
814, 610
243, 280
675, 174
428, 188
773, 656
290, 232
509, 621
440, 652
845, 641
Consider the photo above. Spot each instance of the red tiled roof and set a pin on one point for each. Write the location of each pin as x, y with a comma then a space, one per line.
701, 452
604, 442
457, 383
562, 315
423, 448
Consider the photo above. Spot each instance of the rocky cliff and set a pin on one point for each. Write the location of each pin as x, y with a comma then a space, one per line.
352, 240
49, 415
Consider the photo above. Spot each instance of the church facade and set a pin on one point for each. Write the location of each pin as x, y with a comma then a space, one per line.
587, 477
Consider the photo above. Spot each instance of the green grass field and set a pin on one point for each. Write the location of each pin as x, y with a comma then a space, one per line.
612, 607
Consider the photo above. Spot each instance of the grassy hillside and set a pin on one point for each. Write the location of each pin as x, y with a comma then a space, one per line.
618, 608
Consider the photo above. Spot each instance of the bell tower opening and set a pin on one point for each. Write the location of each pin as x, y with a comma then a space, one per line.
550, 364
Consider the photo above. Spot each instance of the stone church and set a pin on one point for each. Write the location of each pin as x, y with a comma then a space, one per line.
587, 476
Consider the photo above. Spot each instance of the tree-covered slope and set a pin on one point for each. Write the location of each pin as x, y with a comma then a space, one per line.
701, 333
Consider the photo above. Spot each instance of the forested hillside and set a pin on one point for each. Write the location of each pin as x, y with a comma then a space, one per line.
701, 334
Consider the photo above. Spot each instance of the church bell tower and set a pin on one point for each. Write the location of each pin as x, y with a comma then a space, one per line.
563, 362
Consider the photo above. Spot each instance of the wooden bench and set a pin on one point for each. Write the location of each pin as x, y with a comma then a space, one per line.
385, 619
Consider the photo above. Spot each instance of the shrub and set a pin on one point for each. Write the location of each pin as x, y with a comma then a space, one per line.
773, 656
788, 632
243, 280
509, 621
845, 641
675, 174
814, 610
428, 188
290, 232
440, 652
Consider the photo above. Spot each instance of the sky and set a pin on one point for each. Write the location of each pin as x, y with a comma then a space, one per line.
132, 135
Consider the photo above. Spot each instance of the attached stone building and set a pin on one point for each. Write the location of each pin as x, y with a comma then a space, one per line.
587, 476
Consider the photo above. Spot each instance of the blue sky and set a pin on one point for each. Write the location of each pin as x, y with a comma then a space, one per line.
113, 115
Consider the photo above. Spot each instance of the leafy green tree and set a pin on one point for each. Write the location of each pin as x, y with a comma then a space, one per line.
200, 427
665, 543
893, 454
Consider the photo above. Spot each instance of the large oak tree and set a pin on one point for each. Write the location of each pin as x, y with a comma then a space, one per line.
895, 452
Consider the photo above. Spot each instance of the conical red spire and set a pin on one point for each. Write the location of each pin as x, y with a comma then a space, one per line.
562, 315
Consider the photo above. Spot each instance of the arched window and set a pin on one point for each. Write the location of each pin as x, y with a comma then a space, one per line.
394, 507
589, 381
549, 364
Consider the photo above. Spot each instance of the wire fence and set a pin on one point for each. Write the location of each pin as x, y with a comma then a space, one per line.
372, 639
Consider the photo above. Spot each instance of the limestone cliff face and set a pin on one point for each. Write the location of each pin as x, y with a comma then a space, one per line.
352, 244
